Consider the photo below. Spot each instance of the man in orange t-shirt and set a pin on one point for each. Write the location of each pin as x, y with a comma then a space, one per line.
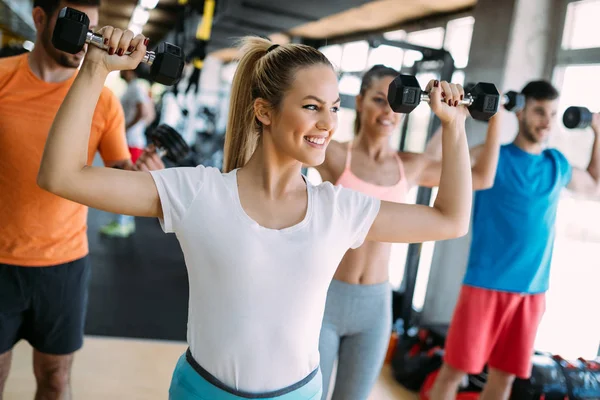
44, 266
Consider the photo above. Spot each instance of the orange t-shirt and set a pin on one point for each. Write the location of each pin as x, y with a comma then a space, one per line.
38, 228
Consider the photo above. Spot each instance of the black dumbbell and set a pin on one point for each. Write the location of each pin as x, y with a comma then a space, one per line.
577, 117
72, 33
512, 101
169, 143
405, 94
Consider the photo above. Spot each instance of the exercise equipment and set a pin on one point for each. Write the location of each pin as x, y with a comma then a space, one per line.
198, 53
553, 377
72, 33
511, 100
405, 94
417, 355
577, 117
169, 143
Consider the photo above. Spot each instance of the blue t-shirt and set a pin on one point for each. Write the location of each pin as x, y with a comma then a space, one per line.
513, 222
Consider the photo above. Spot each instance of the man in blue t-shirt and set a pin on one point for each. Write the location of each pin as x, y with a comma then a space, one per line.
502, 299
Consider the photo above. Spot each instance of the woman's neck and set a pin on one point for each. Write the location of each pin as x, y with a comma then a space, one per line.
376, 147
274, 173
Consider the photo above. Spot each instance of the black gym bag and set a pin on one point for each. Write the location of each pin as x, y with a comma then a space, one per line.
417, 355
553, 378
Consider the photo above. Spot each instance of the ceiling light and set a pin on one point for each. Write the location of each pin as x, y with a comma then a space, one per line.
140, 16
27, 45
150, 4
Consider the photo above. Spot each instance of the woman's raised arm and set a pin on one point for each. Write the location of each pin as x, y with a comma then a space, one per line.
63, 170
450, 215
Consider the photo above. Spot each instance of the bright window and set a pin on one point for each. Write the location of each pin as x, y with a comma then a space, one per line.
581, 25
458, 40
354, 56
333, 54
458, 77
570, 326
350, 84
386, 55
433, 38
395, 35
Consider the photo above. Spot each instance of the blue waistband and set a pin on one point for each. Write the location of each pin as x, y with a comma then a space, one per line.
191, 381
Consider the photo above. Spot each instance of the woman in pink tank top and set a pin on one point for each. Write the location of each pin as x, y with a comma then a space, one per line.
358, 317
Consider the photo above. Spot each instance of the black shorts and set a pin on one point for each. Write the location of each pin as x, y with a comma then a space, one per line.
44, 305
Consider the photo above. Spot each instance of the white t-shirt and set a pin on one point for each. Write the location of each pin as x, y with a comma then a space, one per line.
257, 295
134, 94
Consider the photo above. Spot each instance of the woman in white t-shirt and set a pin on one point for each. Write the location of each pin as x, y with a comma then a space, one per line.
261, 243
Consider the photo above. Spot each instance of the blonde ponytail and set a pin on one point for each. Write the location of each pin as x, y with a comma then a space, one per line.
240, 138
264, 71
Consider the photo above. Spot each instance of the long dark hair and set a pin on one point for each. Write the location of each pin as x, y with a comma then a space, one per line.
376, 72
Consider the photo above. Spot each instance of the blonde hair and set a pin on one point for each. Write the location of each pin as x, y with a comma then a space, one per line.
264, 71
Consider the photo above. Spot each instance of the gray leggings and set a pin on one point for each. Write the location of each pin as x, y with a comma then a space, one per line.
356, 331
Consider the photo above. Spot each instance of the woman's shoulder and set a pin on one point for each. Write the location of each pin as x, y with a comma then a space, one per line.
199, 174
407, 156
413, 161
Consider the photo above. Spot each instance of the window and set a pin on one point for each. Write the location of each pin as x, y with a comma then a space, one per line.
333, 54
576, 144
459, 77
581, 25
575, 274
354, 56
433, 38
386, 55
395, 35
349, 84
458, 40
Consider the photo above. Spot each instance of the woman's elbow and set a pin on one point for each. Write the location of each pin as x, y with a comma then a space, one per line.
454, 231
462, 229
482, 181
456, 227
47, 183
461, 226
50, 182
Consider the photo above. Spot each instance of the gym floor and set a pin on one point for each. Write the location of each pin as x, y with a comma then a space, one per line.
136, 322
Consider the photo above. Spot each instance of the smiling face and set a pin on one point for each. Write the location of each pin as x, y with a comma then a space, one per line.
376, 116
305, 120
537, 119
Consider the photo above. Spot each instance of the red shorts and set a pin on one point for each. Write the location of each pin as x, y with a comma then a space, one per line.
497, 328
135, 153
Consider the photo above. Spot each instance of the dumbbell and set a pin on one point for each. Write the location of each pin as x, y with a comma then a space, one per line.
169, 143
577, 117
512, 101
72, 33
405, 94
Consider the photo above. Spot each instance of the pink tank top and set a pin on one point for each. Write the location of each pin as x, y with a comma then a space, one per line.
395, 193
